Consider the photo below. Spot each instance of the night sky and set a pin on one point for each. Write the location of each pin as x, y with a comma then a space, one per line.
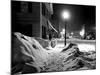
80, 15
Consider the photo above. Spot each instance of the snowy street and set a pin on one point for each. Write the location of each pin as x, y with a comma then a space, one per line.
83, 45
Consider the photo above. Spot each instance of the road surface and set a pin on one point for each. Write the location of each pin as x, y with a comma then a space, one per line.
84, 45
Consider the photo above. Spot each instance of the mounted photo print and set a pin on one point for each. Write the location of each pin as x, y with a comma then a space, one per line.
52, 37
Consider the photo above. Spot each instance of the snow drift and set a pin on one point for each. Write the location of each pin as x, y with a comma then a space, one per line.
29, 56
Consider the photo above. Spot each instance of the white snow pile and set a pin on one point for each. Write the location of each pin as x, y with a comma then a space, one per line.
29, 56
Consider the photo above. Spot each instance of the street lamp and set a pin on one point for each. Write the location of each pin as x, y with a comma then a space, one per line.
65, 16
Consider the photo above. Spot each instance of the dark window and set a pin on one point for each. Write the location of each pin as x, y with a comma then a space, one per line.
25, 29
30, 7
16, 6
44, 36
24, 7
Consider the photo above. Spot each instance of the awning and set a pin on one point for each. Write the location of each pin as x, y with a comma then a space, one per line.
52, 26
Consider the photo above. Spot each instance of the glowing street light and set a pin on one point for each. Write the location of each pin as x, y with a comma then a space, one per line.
72, 33
82, 32
65, 16
62, 33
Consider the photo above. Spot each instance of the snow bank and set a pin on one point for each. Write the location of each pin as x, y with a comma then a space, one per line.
28, 53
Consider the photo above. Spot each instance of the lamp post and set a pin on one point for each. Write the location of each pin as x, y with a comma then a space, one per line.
65, 16
65, 31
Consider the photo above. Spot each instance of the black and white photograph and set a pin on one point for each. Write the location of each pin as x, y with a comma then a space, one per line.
52, 37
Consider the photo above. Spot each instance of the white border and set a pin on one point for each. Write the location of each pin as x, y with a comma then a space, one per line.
5, 37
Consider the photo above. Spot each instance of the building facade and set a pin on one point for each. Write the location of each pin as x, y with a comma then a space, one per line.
26, 18
32, 18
